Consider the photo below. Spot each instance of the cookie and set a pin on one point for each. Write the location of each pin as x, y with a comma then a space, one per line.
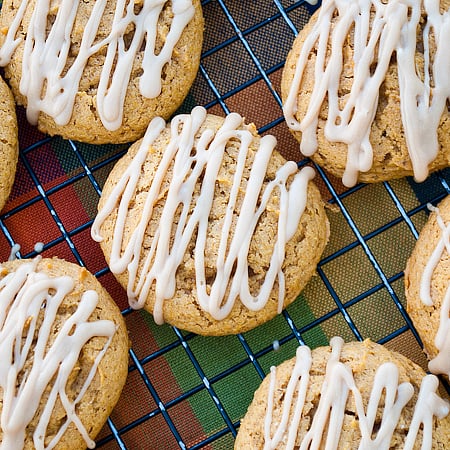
98, 72
346, 396
64, 355
208, 227
365, 89
427, 282
9, 146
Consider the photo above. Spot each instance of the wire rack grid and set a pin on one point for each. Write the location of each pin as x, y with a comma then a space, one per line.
186, 391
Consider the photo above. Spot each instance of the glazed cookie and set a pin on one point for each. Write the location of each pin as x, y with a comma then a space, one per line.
208, 227
346, 396
98, 72
9, 147
427, 288
365, 89
64, 355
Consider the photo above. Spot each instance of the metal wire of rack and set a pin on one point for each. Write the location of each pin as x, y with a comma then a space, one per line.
245, 47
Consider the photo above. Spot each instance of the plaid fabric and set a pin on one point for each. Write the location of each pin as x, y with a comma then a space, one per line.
187, 391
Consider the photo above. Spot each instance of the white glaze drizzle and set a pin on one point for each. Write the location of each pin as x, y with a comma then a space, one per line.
441, 363
14, 249
51, 91
338, 384
24, 295
393, 31
167, 251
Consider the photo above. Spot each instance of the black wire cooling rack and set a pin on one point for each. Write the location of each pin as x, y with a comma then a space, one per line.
245, 47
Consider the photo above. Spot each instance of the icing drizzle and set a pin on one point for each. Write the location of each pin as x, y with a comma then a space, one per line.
338, 384
50, 90
25, 295
168, 248
393, 29
441, 363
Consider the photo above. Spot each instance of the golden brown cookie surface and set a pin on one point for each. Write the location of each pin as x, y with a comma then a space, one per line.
365, 109
333, 386
101, 74
427, 277
9, 146
69, 369
208, 227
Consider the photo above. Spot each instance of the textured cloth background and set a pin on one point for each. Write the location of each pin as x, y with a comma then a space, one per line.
189, 391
